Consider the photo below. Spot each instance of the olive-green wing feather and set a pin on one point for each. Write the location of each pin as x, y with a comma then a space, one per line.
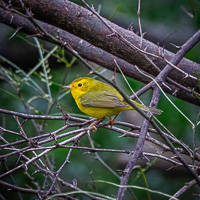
101, 99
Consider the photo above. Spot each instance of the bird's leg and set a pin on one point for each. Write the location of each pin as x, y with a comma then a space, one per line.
112, 120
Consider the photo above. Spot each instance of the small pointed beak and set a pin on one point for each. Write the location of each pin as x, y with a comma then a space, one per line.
67, 86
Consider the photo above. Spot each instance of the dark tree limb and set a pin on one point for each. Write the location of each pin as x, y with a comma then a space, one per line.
92, 53
179, 55
81, 22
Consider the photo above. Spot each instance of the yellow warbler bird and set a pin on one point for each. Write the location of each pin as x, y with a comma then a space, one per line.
98, 99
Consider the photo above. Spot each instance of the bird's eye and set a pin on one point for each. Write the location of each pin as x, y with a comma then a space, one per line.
80, 84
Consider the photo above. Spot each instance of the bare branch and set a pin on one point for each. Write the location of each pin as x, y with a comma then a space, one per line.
94, 54
90, 28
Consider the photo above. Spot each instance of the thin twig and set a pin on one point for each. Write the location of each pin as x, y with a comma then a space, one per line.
183, 189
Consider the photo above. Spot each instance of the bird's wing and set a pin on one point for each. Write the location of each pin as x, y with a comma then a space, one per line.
101, 99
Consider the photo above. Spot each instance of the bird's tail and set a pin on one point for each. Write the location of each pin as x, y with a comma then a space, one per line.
145, 108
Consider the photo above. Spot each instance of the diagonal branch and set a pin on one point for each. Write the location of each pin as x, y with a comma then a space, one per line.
160, 79
138, 149
94, 54
85, 24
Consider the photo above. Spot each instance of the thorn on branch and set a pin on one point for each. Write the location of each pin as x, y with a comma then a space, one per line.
11, 19
131, 27
25, 167
176, 46
164, 84
143, 155
75, 182
17, 30
123, 135
186, 76
110, 35
19, 157
175, 91
90, 72
172, 167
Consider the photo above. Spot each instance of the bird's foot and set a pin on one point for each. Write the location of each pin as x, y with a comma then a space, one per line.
112, 121
94, 124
